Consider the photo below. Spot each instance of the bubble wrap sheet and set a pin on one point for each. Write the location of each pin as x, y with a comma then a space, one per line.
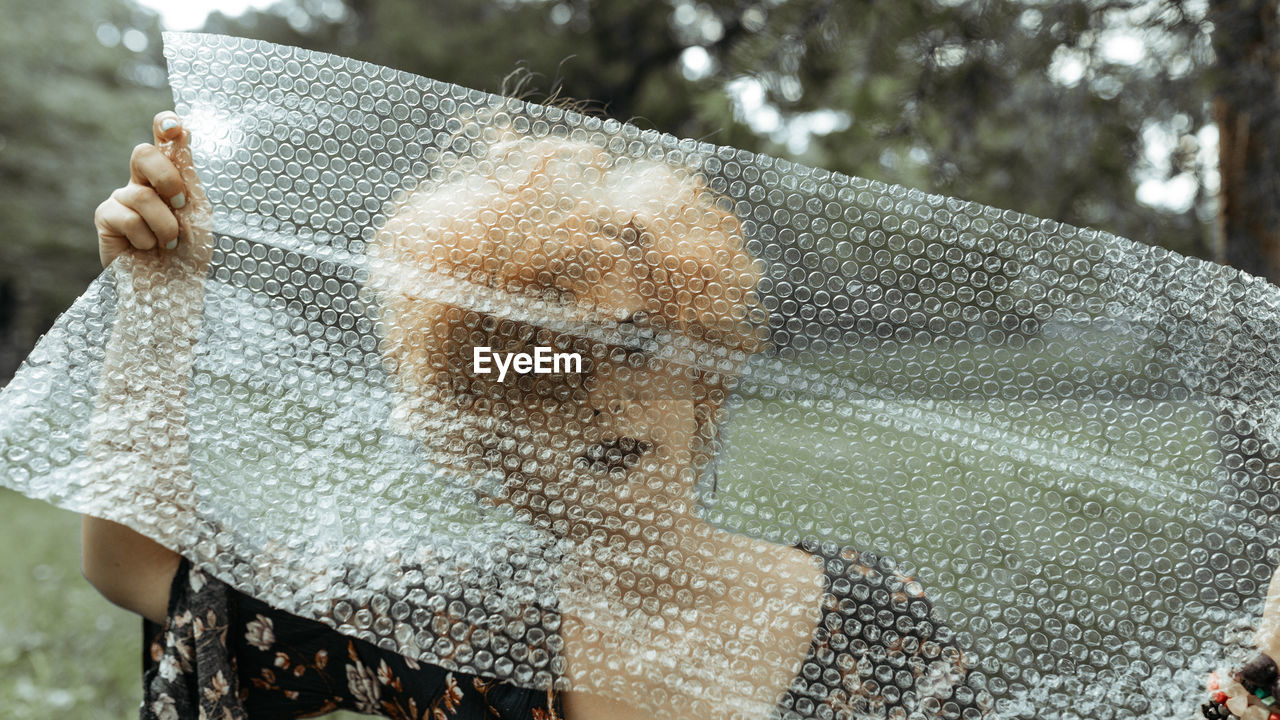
830, 448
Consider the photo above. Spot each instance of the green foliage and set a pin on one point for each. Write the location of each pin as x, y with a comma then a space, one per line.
73, 111
963, 98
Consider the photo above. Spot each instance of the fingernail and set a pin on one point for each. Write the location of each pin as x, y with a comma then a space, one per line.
178, 201
168, 124
171, 244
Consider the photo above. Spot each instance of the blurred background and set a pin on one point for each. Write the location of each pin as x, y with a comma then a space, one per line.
1153, 119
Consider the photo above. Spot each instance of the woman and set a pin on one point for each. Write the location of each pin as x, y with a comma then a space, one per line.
658, 612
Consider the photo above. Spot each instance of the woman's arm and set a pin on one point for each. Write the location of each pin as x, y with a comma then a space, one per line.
128, 568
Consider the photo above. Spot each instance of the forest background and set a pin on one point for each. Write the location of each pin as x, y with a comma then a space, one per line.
1152, 119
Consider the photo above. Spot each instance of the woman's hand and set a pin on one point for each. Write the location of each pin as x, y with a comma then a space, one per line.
147, 364
140, 214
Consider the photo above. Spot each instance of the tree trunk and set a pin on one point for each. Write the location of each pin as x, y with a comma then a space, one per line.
1246, 107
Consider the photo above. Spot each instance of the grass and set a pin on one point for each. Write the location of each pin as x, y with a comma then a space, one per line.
65, 652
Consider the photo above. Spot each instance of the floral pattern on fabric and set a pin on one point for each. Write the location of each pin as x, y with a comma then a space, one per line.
294, 667
878, 651
186, 671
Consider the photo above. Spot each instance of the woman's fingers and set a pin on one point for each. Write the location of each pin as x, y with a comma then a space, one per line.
148, 166
141, 214
171, 137
166, 126
111, 242
119, 227
118, 221
159, 219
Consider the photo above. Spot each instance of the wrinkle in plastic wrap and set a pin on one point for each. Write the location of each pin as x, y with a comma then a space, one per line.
831, 448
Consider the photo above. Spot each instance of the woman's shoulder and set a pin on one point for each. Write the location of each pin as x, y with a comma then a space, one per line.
849, 568
880, 644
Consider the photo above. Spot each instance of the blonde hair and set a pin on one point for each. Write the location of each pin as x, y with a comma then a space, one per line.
554, 217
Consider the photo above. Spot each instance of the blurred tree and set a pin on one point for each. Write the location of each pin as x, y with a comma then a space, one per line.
1246, 106
1056, 109
82, 79
1093, 112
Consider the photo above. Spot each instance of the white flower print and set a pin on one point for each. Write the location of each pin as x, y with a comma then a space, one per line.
220, 685
452, 693
165, 708
260, 633
364, 688
218, 688
196, 579
182, 646
168, 668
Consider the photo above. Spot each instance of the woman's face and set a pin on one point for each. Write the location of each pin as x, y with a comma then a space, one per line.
615, 441
631, 245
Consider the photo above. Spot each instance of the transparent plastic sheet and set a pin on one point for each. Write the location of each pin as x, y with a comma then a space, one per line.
835, 448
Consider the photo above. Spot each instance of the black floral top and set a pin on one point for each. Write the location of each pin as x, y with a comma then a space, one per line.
222, 655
